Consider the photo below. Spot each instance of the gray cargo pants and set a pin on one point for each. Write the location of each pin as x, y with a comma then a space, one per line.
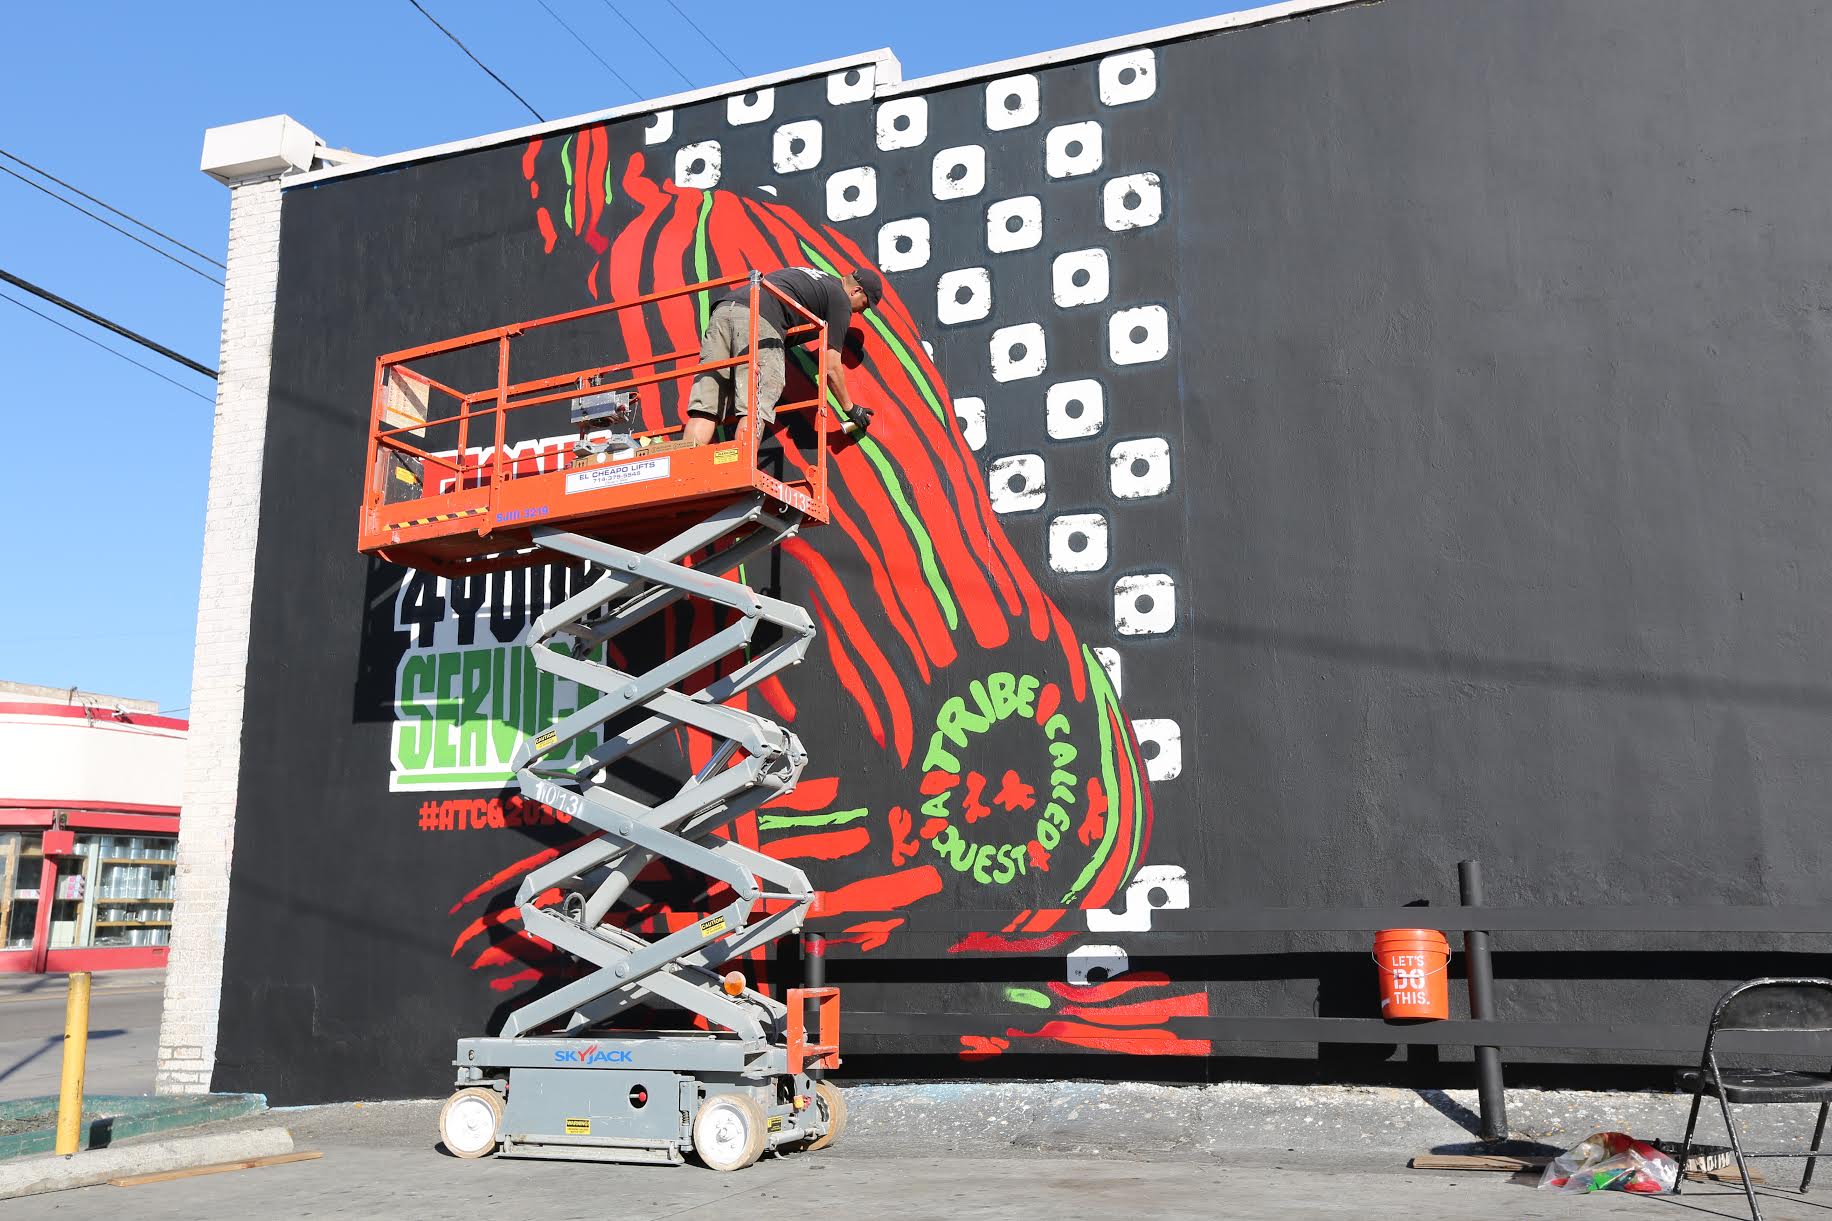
728, 390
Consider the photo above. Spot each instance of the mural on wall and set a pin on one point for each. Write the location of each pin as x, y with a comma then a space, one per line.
1005, 777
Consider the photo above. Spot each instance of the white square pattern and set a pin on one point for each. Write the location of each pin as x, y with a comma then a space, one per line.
797, 146
964, 295
851, 85
903, 123
1074, 409
659, 127
1110, 662
753, 106
697, 165
1134, 201
903, 244
1018, 352
852, 193
1016, 484
1131, 76
1078, 542
960, 172
1079, 277
1145, 604
1096, 964
1139, 468
1161, 742
1072, 149
1137, 336
970, 414
1014, 224
1011, 102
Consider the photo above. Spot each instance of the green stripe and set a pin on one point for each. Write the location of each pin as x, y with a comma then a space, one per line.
1028, 996
701, 264
566, 161
1103, 699
925, 546
447, 779
777, 822
909, 365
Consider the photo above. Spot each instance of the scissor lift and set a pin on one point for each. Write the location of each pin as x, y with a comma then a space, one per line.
663, 524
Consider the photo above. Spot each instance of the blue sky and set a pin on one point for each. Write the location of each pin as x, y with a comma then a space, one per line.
102, 497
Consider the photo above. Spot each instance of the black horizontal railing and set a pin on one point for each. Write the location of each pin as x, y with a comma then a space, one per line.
1177, 932
1627, 919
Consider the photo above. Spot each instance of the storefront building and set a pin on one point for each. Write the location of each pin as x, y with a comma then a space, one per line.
89, 793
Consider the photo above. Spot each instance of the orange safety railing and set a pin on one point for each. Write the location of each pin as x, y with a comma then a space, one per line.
468, 512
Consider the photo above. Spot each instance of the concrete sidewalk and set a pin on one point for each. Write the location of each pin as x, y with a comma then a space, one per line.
1056, 1151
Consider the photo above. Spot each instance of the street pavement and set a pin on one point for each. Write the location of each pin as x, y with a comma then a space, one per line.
380, 1161
1061, 1151
123, 1033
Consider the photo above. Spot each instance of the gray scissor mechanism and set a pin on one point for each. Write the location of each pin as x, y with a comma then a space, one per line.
559, 1080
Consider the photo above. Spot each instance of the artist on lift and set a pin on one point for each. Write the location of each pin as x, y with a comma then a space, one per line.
726, 391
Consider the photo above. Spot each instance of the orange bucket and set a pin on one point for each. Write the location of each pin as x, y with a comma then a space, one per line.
1413, 981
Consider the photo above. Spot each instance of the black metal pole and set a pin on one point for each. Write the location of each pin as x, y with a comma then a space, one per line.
1493, 1097
814, 975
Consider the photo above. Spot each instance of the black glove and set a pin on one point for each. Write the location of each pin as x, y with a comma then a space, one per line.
858, 419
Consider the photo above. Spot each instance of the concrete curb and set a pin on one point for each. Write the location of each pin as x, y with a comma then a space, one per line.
109, 1119
42, 1174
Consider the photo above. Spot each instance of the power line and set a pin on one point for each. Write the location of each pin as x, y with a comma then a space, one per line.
101, 203
460, 45
101, 220
645, 38
98, 343
47, 295
708, 37
588, 48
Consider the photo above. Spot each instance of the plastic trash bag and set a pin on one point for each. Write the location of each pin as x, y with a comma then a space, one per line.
1610, 1161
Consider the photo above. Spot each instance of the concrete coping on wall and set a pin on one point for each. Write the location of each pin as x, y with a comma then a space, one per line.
886, 81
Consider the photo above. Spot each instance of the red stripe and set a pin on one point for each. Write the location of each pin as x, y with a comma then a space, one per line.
1190, 1004
902, 729
104, 718
992, 943
821, 846
967, 487
874, 564
849, 675
118, 807
1121, 805
1094, 993
515, 870
884, 893
1097, 1038
808, 795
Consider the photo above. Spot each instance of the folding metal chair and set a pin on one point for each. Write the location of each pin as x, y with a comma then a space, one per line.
1796, 1004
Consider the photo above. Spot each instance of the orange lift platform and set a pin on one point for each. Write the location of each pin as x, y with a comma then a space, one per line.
661, 522
474, 507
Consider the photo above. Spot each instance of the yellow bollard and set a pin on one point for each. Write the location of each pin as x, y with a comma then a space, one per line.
76, 1049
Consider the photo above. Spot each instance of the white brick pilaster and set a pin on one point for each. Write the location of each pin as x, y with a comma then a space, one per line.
206, 837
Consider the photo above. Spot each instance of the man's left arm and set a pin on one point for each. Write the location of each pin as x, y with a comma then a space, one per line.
839, 321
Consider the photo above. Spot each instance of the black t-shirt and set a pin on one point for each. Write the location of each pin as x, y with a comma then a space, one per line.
815, 291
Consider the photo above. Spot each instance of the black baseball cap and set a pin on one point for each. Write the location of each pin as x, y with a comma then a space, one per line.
872, 283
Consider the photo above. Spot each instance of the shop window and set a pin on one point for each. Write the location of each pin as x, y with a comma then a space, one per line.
116, 891
21, 863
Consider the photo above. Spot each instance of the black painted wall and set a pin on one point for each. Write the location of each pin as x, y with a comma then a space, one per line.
1494, 419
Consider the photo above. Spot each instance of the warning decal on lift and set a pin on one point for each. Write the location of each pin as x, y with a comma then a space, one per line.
721, 456
546, 738
775, 1124
616, 475
712, 926
578, 1127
